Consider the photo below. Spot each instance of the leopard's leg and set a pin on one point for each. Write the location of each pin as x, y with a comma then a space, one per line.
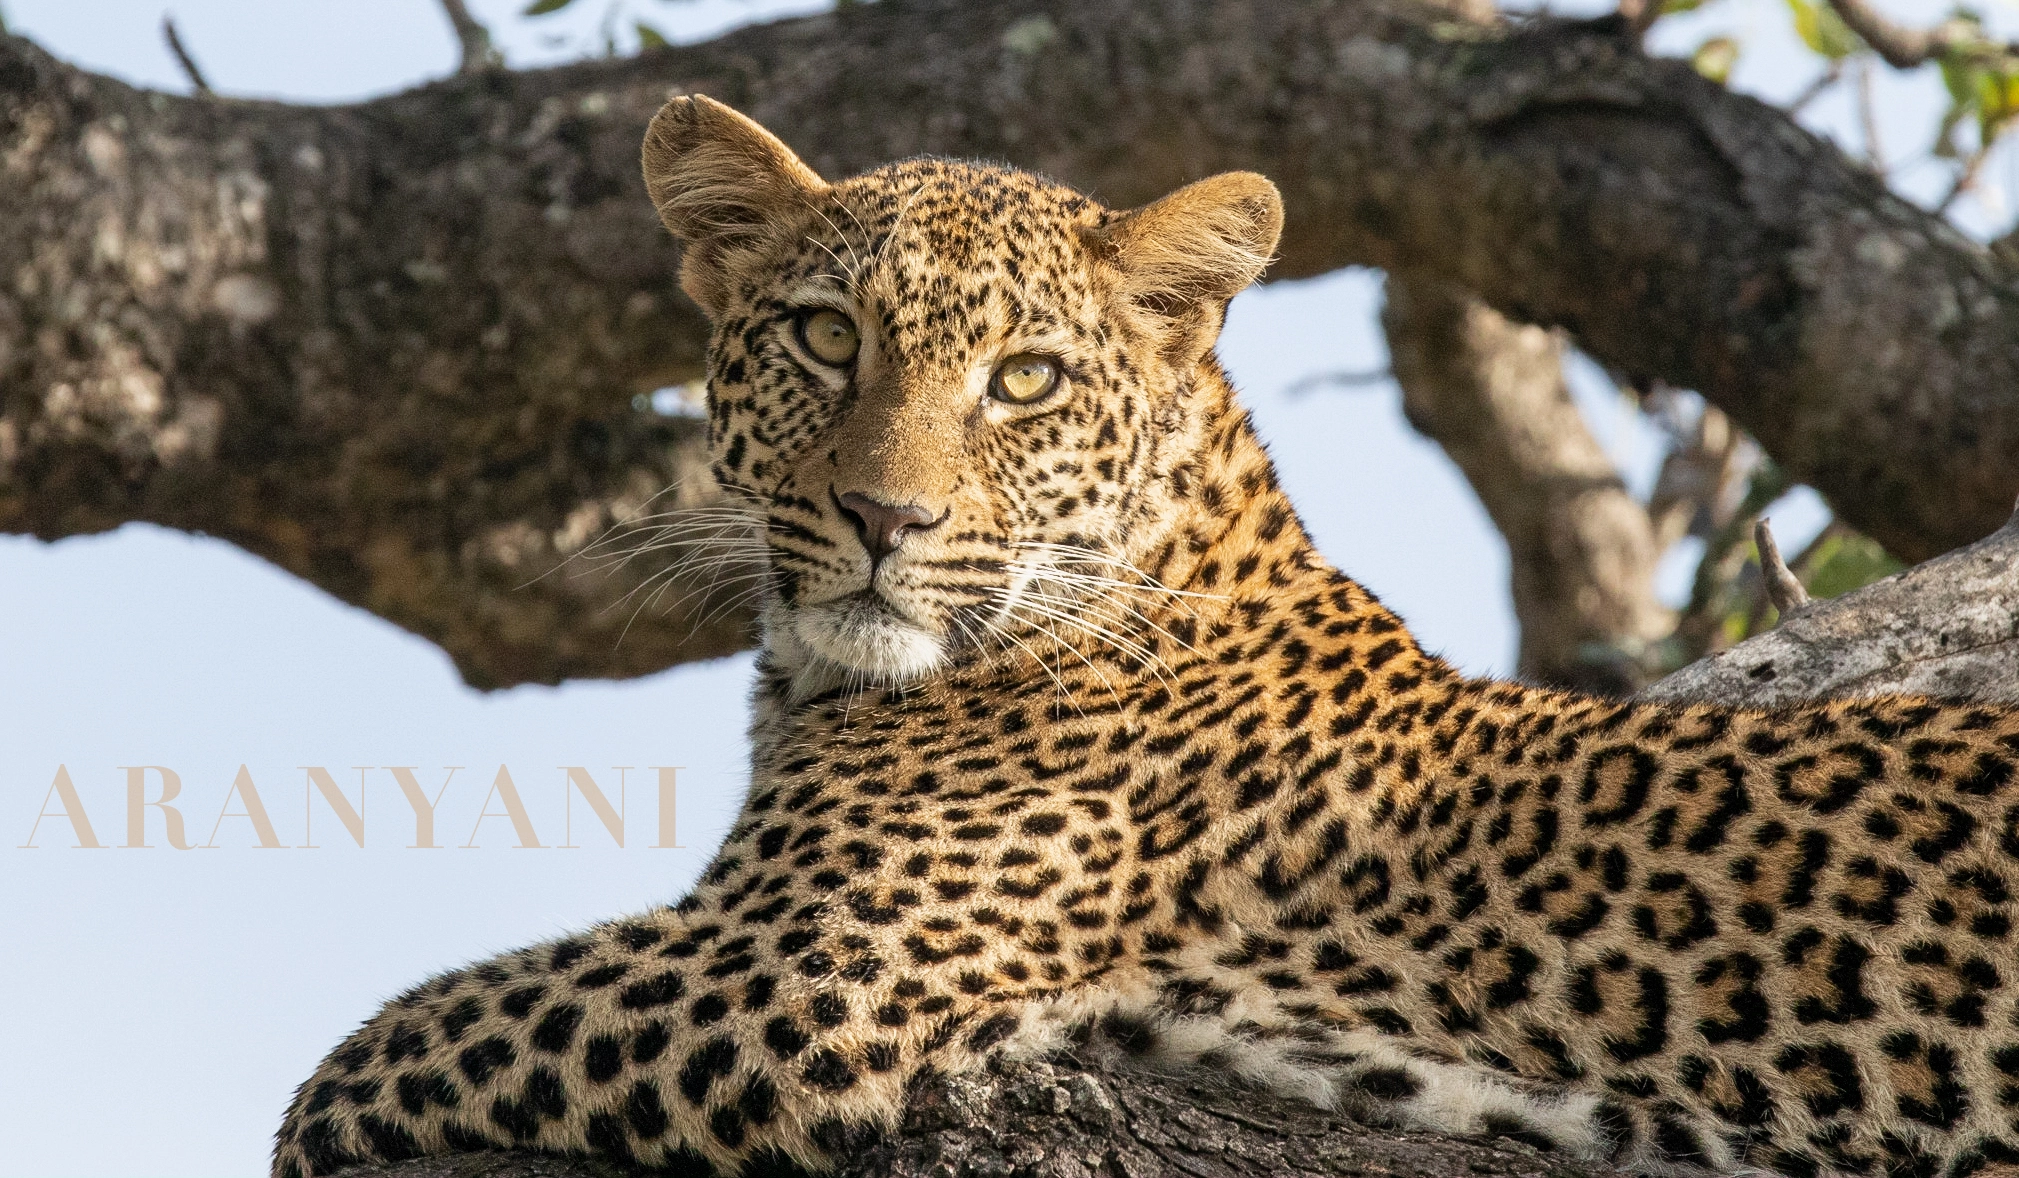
1395, 1081
1378, 1079
763, 1018
658, 1040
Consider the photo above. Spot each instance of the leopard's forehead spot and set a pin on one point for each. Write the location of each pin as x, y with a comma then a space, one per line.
955, 204
939, 247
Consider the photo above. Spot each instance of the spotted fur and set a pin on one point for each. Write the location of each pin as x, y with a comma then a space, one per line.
1100, 740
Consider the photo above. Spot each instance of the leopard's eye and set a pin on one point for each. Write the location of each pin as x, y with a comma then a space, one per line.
830, 336
1024, 378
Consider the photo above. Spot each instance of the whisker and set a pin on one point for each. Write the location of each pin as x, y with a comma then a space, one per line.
864, 229
570, 558
1061, 683
843, 237
1106, 605
1100, 633
1058, 641
1074, 554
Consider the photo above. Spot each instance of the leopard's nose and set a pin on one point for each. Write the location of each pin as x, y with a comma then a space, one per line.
883, 526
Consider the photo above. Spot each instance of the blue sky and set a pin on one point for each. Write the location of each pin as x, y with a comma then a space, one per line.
178, 996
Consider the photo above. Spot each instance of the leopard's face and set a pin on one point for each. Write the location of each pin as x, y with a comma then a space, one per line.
937, 396
956, 393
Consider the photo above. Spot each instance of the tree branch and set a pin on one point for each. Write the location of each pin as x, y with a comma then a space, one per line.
1582, 551
1639, 16
1088, 1117
1949, 627
1784, 589
399, 359
477, 53
1902, 48
182, 57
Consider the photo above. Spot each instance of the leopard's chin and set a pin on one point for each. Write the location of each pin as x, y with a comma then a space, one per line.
863, 634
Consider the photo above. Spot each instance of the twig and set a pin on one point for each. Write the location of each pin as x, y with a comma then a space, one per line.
1868, 119
1823, 82
478, 53
1349, 380
1697, 630
1783, 590
1639, 16
1965, 180
610, 30
182, 56
1801, 566
1902, 47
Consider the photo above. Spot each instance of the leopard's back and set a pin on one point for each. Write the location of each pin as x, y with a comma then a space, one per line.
1773, 939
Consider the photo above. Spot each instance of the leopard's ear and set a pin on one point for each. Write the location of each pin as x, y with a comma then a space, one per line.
719, 180
1183, 257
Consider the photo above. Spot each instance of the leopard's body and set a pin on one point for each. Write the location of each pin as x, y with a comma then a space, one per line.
1102, 740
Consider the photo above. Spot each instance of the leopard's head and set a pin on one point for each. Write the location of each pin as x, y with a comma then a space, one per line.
957, 394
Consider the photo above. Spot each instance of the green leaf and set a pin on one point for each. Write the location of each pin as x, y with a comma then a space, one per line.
1956, 71
1982, 79
1676, 7
1848, 562
543, 7
1959, 78
1714, 58
648, 37
1822, 30
1997, 100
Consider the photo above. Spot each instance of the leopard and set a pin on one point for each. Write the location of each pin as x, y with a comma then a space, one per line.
1062, 730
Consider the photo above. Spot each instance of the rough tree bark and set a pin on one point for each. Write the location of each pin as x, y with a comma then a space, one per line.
1951, 624
394, 347
1949, 627
1582, 549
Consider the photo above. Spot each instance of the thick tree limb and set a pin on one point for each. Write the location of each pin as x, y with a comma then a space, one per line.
393, 347
1089, 1119
1581, 549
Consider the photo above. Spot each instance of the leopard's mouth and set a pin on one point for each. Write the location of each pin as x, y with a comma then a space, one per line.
866, 632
